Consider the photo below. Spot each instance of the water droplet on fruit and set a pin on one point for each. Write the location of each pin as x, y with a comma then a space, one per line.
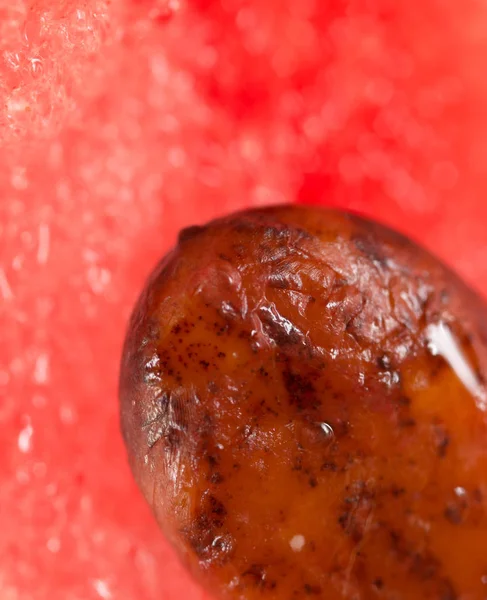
327, 430
297, 543
442, 342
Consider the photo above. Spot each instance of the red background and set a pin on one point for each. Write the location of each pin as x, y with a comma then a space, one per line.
122, 122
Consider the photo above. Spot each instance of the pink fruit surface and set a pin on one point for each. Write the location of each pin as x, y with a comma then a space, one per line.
121, 122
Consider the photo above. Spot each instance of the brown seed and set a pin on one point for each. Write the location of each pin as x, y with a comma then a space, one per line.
301, 391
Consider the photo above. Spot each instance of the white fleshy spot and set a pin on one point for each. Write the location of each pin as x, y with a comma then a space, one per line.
41, 370
102, 589
98, 278
25, 438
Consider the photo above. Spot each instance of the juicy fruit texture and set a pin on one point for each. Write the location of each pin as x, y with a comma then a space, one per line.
303, 403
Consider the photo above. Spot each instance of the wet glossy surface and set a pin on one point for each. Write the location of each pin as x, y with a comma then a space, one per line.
303, 402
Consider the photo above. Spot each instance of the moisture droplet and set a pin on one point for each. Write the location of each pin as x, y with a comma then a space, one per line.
297, 543
442, 342
327, 430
